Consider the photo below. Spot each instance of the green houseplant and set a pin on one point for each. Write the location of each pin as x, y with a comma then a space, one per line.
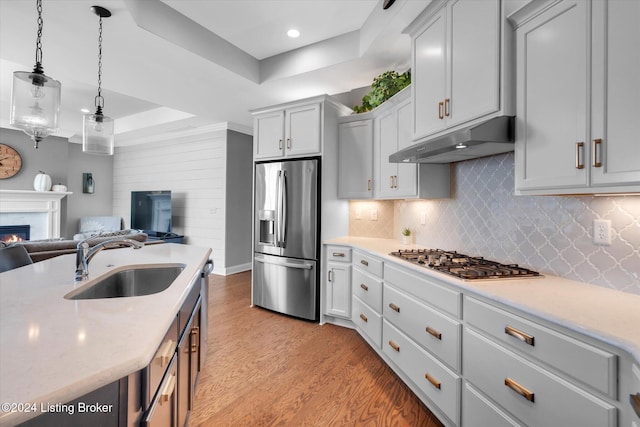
383, 87
406, 235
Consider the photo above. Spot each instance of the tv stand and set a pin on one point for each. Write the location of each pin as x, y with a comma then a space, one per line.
164, 236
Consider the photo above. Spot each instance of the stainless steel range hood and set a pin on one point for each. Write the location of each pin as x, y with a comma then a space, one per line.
494, 136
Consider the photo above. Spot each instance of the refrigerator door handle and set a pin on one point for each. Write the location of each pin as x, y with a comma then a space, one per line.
278, 230
286, 264
285, 209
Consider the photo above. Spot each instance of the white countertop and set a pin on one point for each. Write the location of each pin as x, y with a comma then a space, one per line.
56, 350
605, 314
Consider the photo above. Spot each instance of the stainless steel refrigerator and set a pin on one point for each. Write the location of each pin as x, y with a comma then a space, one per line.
286, 230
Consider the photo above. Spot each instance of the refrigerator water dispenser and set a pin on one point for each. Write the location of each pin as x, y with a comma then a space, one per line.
267, 226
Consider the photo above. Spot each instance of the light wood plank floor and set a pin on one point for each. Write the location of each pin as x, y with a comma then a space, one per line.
266, 369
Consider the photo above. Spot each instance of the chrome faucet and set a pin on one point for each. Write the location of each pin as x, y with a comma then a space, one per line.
84, 254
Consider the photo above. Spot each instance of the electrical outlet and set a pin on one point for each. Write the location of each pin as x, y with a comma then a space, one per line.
374, 214
602, 232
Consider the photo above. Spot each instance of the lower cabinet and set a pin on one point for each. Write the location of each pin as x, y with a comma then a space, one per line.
163, 411
368, 321
438, 383
478, 411
534, 395
338, 289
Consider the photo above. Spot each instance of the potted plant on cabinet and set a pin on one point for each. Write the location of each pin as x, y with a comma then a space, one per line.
383, 87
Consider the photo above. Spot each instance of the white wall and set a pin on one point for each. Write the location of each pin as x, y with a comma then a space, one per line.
194, 169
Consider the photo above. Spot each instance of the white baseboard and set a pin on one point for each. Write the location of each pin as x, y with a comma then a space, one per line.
225, 271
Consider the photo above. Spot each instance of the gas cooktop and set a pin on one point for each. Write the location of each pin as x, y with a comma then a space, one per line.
463, 266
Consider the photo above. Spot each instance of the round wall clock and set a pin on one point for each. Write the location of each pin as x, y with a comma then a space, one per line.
10, 161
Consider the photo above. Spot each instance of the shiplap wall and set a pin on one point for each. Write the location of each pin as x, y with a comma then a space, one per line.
194, 169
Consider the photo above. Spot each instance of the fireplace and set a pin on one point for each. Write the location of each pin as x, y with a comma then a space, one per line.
14, 233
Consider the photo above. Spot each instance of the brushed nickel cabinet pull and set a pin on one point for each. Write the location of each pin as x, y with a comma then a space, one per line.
368, 185
394, 307
364, 262
165, 394
579, 155
195, 342
440, 108
522, 391
522, 336
289, 143
597, 153
635, 403
434, 332
363, 317
391, 181
394, 346
280, 144
338, 254
447, 101
363, 286
395, 181
434, 382
329, 274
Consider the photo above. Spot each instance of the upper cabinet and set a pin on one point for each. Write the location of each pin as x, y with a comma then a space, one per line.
365, 143
458, 65
577, 121
291, 130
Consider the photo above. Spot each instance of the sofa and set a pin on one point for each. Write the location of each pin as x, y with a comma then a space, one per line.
40, 250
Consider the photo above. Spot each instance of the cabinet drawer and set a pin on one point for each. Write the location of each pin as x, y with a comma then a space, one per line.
532, 394
435, 380
585, 363
478, 411
367, 263
425, 289
155, 371
368, 289
431, 329
368, 321
338, 253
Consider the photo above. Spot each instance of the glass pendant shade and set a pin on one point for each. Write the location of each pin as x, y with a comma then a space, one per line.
35, 104
97, 134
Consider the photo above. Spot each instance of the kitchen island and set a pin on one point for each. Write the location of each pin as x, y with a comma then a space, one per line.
519, 351
54, 350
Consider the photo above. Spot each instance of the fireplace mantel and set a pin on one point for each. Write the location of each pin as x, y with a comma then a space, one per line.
29, 202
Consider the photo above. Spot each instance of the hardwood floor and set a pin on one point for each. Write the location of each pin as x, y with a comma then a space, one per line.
266, 369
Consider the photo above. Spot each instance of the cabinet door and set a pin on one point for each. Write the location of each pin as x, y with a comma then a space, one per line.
339, 289
474, 69
407, 175
268, 139
302, 130
552, 109
386, 140
355, 160
428, 85
615, 93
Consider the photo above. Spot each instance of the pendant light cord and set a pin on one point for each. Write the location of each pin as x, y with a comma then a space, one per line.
38, 66
99, 100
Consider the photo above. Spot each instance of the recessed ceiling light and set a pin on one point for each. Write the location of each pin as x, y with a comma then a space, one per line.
293, 33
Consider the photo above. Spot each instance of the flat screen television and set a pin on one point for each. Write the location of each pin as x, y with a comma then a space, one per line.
151, 211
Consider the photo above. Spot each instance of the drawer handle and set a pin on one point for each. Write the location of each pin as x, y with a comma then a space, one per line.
394, 307
363, 286
434, 332
364, 262
338, 254
166, 353
434, 382
579, 155
166, 393
195, 339
635, 403
524, 337
363, 317
522, 391
394, 346
597, 153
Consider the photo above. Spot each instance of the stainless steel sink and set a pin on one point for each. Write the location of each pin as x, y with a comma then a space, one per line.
132, 282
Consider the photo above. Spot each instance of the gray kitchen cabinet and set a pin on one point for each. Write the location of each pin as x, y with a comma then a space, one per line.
458, 75
338, 282
355, 159
576, 125
367, 297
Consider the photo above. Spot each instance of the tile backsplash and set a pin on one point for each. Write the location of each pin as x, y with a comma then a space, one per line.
550, 234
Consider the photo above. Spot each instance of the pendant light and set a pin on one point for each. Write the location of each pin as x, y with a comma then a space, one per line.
97, 129
35, 97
